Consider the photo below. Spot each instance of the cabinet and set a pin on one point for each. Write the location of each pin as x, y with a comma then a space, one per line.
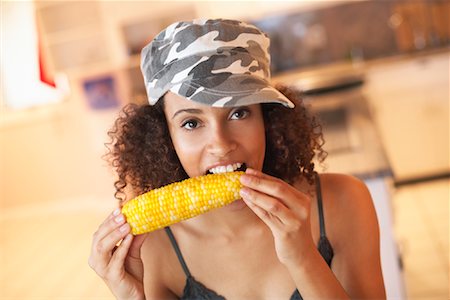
72, 35
410, 101
420, 24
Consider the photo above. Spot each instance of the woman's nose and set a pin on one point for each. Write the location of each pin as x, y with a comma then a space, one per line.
221, 142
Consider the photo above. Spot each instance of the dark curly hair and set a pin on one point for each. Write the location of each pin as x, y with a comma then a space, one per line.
143, 156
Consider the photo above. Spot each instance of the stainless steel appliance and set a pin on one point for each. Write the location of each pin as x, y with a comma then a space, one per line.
351, 138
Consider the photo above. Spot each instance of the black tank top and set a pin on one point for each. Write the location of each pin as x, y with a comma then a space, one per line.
196, 290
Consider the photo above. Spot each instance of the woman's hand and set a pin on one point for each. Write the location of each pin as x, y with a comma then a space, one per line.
119, 266
285, 210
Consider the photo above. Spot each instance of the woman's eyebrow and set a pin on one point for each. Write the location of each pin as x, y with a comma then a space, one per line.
188, 110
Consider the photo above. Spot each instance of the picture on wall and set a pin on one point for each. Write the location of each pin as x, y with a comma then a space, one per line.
101, 92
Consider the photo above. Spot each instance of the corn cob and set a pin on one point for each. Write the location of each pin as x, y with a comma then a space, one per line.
182, 200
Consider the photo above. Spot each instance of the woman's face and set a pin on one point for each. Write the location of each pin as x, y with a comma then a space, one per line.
207, 138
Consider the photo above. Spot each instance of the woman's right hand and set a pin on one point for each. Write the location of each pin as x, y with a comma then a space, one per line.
119, 266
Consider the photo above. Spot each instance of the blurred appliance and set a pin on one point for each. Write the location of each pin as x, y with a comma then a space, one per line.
353, 147
351, 139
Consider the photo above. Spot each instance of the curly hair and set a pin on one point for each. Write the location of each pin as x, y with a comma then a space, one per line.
144, 158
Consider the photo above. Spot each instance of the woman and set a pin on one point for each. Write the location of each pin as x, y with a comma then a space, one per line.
211, 110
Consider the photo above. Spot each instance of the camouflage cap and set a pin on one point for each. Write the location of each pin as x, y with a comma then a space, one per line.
221, 63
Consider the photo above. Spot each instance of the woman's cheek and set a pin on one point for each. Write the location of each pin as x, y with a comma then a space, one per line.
188, 149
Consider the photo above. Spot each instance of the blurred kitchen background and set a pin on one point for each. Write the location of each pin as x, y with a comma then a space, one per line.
375, 72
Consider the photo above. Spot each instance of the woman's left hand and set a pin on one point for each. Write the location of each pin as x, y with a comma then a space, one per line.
284, 209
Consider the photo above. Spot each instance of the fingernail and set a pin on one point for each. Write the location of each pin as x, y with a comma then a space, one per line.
251, 171
119, 219
116, 211
124, 227
245, 179
244, 192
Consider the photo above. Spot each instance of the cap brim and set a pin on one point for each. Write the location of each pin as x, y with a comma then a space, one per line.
226, 90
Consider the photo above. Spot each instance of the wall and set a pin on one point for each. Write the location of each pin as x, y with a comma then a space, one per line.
53, 153
21, 68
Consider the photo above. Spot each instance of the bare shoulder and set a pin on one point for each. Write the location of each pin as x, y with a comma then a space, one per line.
344, 184
349, 208
352, 228
154, 245
152, 250
157, 258
347, 193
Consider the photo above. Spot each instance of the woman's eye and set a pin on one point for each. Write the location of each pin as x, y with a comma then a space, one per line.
239, 114
190, 124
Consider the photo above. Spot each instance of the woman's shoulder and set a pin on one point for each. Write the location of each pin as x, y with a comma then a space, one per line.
157, 249
159, 260
354, 234
152, 248
342, 190
348, 206
343, 187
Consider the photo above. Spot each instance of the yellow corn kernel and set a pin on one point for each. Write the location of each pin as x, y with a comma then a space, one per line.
179, 201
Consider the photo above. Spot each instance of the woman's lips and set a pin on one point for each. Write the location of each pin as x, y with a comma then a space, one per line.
227, 168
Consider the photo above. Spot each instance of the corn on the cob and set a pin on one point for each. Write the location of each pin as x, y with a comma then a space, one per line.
179, 201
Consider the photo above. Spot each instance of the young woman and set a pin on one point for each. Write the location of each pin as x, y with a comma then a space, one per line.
212, 110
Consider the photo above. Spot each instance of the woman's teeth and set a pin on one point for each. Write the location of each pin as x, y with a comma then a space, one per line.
224, 169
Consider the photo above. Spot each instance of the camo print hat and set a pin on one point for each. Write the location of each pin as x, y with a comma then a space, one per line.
222, 63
